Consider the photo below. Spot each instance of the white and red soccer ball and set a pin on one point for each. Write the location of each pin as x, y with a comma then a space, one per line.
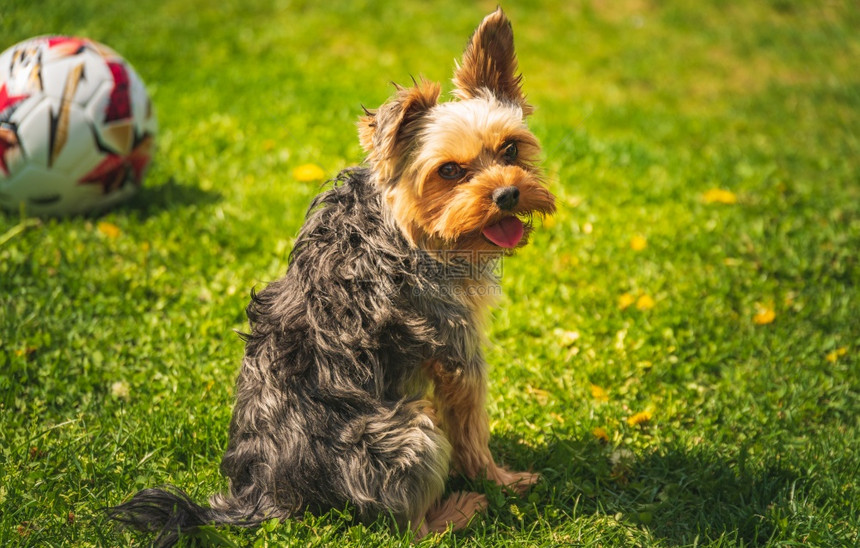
77, 130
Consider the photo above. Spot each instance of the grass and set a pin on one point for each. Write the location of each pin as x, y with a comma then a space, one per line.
733, 326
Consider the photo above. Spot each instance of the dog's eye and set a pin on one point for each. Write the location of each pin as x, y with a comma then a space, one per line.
509, 152
451, 171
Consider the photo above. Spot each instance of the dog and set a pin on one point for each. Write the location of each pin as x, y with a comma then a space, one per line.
363, 382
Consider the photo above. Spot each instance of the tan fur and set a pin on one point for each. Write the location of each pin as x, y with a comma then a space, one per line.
490, 62
407, 140
436, 213
409, 137
386, 132
460, 399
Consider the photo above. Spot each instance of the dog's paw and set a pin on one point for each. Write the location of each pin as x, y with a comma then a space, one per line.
455, 512
519, 482
425, 414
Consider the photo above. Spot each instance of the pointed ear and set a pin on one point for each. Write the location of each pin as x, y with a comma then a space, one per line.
490, 63
387, 133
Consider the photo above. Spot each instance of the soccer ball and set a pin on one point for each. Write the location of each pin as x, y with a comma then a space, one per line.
77, 130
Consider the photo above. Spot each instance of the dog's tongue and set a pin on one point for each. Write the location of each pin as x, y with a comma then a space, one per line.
506, 233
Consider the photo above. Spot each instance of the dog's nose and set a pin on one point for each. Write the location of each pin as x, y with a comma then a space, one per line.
506, 197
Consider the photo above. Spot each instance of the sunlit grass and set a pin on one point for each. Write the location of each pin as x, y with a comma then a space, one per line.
676, 352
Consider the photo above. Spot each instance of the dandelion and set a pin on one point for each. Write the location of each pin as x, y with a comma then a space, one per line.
598, 393
109, 229
639, 418
625, 300
120, 389
644, 302
638, 243
307, 173
26, 351
765, 315
719, 196
600, 434
832, 357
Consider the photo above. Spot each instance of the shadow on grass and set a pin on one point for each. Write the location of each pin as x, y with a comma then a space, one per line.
166, 196
681, 496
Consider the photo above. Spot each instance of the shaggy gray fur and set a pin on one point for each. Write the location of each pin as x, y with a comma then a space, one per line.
328, 408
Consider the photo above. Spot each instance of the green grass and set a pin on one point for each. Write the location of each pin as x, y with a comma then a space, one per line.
753, 437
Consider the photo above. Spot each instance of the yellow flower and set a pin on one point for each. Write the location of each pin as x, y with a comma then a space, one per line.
639, 418
308, 172
638, 243
599, 393
644, 302
600, 434
26, 351
625, 300
109, 229
836, 354
549, 222
764, 316
719, 196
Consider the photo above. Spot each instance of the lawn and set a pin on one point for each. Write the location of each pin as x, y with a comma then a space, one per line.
676, 352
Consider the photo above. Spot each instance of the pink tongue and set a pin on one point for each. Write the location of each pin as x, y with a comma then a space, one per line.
506, 233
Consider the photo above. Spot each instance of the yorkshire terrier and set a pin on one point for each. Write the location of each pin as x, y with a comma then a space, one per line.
363, 382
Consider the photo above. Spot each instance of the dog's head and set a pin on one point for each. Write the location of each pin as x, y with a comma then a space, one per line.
463, 174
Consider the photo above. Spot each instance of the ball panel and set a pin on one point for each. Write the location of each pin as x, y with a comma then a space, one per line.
116, 136
78, 153
34, 131
41, 190
75, 78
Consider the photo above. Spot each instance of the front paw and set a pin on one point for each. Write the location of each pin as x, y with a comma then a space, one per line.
519, 482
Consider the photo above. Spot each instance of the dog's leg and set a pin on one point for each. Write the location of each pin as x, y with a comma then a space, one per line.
455, 511
460, 397
395, 461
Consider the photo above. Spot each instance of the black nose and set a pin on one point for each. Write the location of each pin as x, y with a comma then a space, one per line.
506, 197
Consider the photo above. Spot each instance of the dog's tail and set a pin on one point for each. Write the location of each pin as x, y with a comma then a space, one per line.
170, 512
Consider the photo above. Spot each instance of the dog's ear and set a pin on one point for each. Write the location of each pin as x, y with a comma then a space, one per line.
388, 132
490, 63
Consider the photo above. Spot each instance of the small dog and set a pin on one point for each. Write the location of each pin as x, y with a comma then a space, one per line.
382, 304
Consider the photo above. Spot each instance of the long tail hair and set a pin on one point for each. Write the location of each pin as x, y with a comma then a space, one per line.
169, 512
